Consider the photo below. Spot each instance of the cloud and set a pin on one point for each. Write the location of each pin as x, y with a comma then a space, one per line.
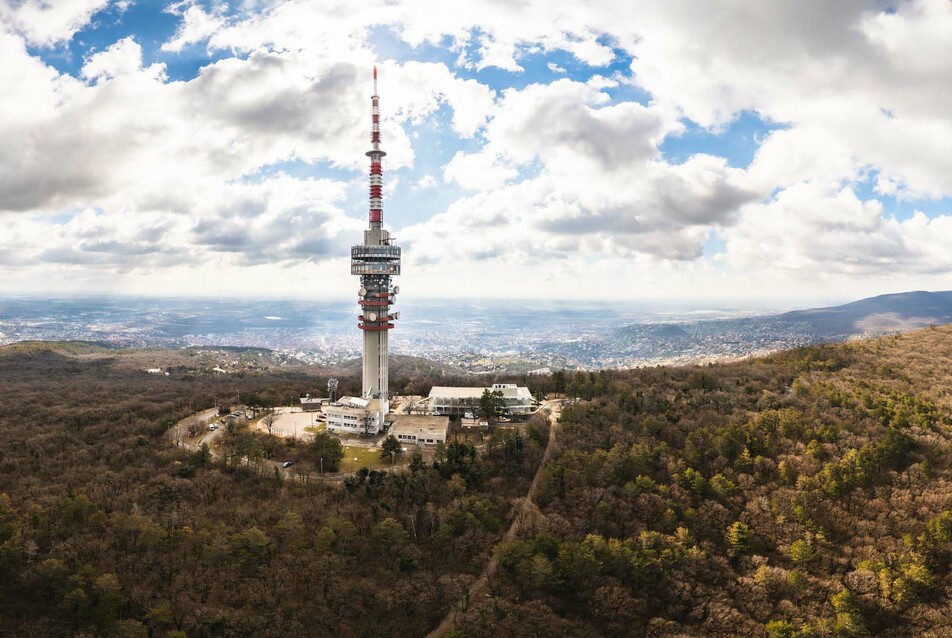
485, 34
595, 178
427, 181
414, 90
807, 64
275, 221
564, 125
196, 25
122, 58
47, 23
814, 228
567, 180
479, 171
856, 84
68, 143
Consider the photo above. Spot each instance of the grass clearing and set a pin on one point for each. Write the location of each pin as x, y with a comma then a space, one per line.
367, 457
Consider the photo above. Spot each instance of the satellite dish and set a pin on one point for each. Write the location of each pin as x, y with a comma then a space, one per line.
372, 316
396, 290
362, 292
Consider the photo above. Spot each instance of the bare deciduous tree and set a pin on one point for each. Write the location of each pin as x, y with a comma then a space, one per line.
269, 420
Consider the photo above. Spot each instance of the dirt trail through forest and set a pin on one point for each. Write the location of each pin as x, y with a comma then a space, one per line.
526, 511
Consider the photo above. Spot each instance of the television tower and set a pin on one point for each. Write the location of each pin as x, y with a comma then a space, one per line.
376, 261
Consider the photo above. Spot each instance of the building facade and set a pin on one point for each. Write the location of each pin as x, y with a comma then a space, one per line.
355, 415
456, 401
420, 430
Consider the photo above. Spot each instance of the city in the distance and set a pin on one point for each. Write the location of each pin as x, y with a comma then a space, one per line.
483, 336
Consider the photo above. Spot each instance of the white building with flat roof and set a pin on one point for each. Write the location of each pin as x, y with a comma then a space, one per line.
354, 415
456, 400
419, 430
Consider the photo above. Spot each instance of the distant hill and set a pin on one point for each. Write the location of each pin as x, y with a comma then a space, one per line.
402, 365
723, 339
898, 312
63, 348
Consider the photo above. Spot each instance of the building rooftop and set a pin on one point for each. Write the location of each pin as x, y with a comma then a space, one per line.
508, 391
355, 402
415, 423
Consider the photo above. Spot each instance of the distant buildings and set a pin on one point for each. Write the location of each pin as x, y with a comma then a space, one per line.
445, 400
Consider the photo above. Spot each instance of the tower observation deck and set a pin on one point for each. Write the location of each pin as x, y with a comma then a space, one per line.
376, 260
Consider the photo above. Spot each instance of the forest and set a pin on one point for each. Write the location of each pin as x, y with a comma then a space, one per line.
106, 529
802, 494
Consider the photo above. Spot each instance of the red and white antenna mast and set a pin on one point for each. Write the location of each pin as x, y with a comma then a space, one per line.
375, 154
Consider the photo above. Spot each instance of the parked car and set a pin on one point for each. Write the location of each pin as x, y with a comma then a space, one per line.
212, 426
287, 464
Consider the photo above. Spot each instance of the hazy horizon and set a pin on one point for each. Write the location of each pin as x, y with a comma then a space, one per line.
656, 304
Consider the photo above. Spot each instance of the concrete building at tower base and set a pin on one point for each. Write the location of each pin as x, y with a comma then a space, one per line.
355, 415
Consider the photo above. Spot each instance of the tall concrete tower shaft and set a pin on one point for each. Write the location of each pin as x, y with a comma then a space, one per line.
376, 261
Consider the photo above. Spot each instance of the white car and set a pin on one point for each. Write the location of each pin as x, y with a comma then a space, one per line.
213, 426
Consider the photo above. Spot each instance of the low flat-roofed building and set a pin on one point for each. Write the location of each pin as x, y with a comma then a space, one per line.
418, 429
312, 404
354, 415
457, 400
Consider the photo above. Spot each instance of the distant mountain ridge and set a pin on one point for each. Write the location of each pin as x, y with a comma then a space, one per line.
897, 312
719, 339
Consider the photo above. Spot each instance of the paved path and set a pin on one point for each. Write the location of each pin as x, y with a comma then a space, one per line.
178, 432
526, 511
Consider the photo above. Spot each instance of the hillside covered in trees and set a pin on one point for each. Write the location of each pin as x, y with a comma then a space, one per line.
803, 494
106, 529
808, 493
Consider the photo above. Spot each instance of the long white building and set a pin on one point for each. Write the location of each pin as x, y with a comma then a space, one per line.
457, 400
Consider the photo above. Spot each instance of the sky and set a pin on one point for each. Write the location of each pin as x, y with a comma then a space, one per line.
779, 151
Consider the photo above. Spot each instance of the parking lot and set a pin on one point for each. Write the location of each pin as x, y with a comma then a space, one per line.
291, 422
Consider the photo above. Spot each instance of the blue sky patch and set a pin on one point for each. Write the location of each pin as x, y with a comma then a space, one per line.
900, 208
738, 142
